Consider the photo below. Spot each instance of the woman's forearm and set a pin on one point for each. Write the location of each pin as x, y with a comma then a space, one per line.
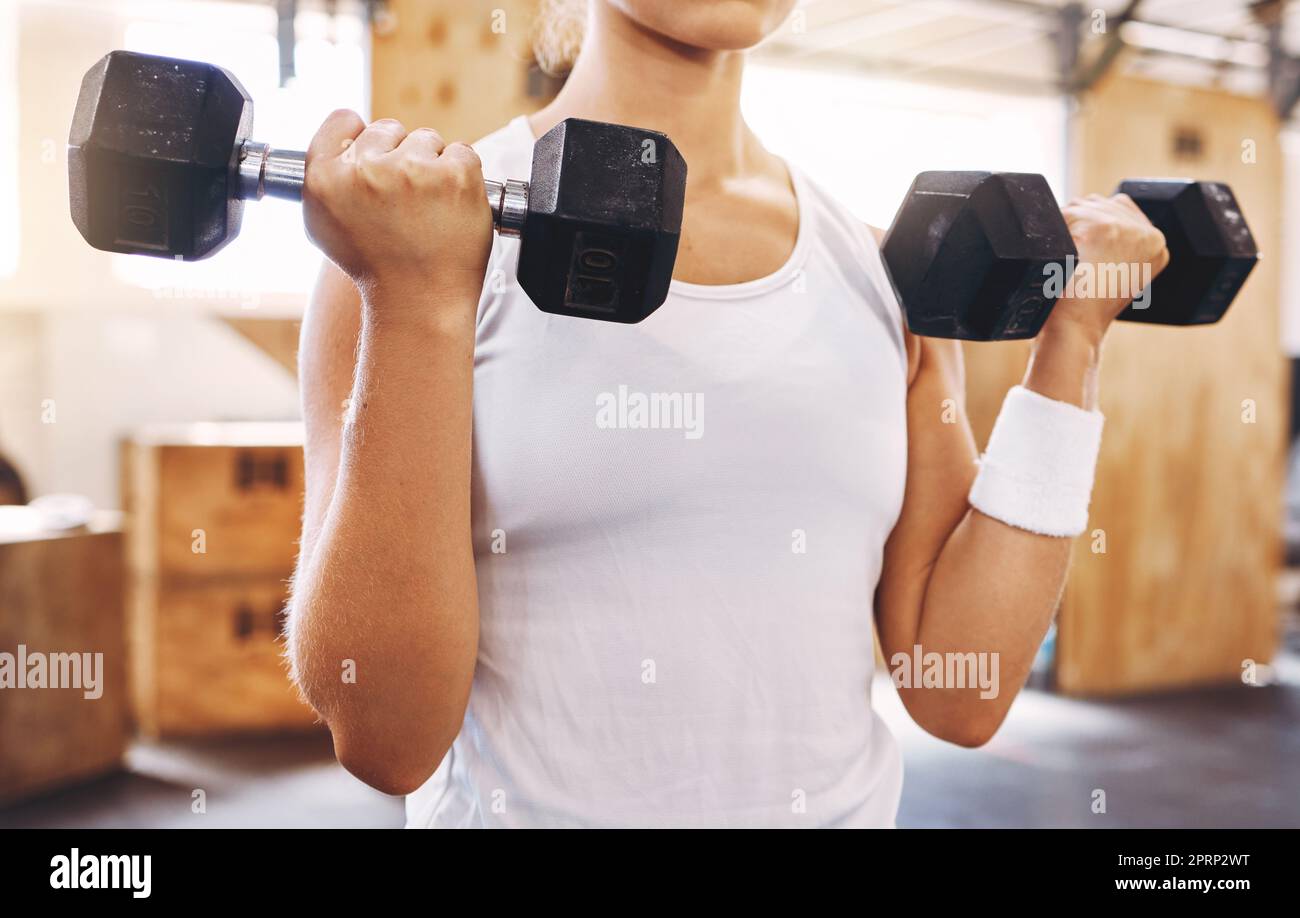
385, 604
994, 588
1064, 365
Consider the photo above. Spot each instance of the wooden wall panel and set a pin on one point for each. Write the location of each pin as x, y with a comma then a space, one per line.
458, 66
1188, 490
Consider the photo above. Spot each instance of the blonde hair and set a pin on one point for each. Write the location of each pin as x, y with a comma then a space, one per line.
557, 34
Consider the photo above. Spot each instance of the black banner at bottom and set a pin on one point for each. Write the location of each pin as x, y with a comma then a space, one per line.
924, 867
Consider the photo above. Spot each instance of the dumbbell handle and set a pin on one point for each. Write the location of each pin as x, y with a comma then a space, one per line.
266, 171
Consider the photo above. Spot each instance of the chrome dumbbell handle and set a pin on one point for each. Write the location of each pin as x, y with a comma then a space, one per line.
509, 202
264, 171
267, 172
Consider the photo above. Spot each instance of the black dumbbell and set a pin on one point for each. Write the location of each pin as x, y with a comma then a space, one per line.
971, 254
1211, 250
160, 162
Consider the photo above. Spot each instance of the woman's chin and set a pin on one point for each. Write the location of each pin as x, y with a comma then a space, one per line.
711, 25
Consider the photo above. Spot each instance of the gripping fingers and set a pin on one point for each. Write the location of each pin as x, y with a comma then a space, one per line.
465, 166
336, 134
417, 157
424, 142
380, 137
463, 153
1129, 205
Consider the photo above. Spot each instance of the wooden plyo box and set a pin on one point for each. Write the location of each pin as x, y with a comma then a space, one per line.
207, 659
61, 594
213, 520
213, 501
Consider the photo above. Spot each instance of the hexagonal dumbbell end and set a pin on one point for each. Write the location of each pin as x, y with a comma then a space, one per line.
974, 255
152, 154
1211, 250
604, 218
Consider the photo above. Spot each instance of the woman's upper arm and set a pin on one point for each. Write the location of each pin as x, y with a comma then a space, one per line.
327, 350
910, 342
941, 456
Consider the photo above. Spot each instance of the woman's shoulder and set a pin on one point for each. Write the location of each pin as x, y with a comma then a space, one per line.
854, 246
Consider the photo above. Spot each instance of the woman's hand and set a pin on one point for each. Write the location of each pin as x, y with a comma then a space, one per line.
402, 214
1124, 252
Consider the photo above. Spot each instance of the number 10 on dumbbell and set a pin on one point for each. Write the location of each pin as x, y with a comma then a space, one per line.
160, 163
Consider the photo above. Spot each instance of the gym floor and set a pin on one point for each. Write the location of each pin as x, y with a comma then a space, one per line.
1211, 758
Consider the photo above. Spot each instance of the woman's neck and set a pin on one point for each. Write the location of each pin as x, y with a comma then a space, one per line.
627, 74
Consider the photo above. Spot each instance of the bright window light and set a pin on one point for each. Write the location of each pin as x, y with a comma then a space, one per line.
9, 138
864, 139
271, 253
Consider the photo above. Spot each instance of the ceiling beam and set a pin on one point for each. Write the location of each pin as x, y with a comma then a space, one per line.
286, 12
1087, 76
1069, 42
1283, 73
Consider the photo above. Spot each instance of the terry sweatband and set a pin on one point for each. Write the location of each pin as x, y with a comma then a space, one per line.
1037, 471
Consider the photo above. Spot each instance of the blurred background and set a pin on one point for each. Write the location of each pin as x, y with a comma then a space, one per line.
150, 458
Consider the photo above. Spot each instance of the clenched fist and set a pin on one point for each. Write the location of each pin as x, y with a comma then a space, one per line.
1120, 254
403, 214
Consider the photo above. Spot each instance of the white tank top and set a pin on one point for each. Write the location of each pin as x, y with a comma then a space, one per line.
678, 528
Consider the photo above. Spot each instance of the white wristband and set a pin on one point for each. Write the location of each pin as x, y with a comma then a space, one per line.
1037, 471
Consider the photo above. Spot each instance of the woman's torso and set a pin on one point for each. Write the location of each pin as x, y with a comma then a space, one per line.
678, 528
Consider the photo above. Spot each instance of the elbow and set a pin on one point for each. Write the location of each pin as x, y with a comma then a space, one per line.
396, 779
391, 733
969, 725
394, 768
390, 747
972, 728
970, 735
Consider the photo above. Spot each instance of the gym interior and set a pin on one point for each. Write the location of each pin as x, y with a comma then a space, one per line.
151, 439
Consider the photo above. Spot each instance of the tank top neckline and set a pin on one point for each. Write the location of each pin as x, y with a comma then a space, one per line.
745, 289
